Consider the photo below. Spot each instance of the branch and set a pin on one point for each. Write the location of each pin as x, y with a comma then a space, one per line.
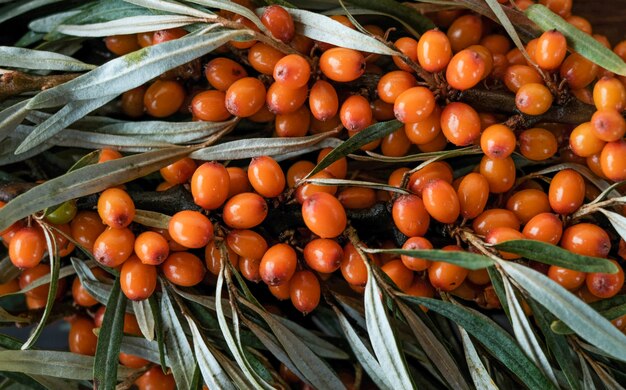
13, 82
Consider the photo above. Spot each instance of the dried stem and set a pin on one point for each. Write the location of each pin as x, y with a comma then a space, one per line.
13, 82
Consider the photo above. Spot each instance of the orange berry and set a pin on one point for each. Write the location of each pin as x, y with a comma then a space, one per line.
493, 218
473, 193
323, 255
561, 7
245, 23
353, 267
116, 208
245, 97
278, 264
395, 144
566, 192
210, 106
357, 197
324, 215
221, 73
533, 99
81, 338
425, 130
263, 58
466, 69
294, 124
605, 285
414, 104
551, 50
339, 169
460, 124
151, 248
578, 71
502, 234
122, 44
392, 84
9, 287
586, 239
516, 76
305, 291
323, 100
608, 125
612, 160
410, 216
416, 263
190, 229
114, 246
408, 47
500, 173
537, 144
179, 172
132, 102
609, 93
245, 211
584, 142
528, 203
155, 379
213, 257
435, 170
266, 176
441, 201
280, 292
580, 23
341, 64
163, 98
137, 280
464, 32
398, 273
81, 296
496, 43
249, 269
183, 269
86, 226
356, 113
298, 171
446, 276
293, 71
304, 191
498, 141
27, 247
279, 23
568, 278
434, 51
283, 100
167, 35
29, 275
238, 181
210, 185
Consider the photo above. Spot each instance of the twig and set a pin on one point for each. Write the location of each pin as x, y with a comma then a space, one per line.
13, 82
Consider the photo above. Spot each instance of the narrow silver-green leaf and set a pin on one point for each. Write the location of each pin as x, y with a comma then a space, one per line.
98, 290
467, 260
17, 57
171, 6
317, 344
508, 27
555, 255
152, 219
5, 316
7, 270
618, 221
356, 183
92, 140
12, 116
584, 44
576, 314
477, 369
145, 318
49, 22
143, 348
86, 181
17, 8
63, 273
234, 8
444, 154
129, 25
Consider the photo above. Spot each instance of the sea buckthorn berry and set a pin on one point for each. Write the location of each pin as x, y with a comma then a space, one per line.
246, 23
498, 141
613, 161
213, 257
283, 100
566, 192
183, 269
416, 263
292, 71
586, 239
298, 171
108, 154
414, 104
441, 201
433, 171
305, 291
304, 191
357, 197
81, 296
114, 246
61, 232
356, 113
580, 23
249, 269
551, 50
515, 57
278, 264
605, 285
339, 169
500, 173
151, 248
210, 106
331, 124
446, 276
353, 266
294, 124
395, 144
210, 185
584, 142
460, 124
578, 71
465, 70
245, 97
29, 275
486, 56
425, 130
479, 277
263, 58
392, 84
516, 76
464, 32
288, 375
163, 98
533, 99
609, 93
238, 181
145, 39
116, 208
324, 215
27, 247
155, 379
410, 216
167, 35
281, 291
537, 144
179, 172
398, 273
494, 218
323, 255
323, 100
86, 227
568, 278
9, 287
561, 7
132, 102
137, 280
593, 163
81, 338
408, 47
473, 193
132, 361
434, 51
279, 23
343, 65
421, 288
608, 125
266, 176
502, 234
528, 203
122, 44
496, 43
191, 229
221, 73
245, 211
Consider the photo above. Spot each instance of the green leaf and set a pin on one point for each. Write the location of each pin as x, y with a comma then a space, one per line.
570, 309
129, 25
143, 348
86, 181
152, 219
7, 270
233, 7
47, 23
56, 364
12, 116
583, 170
555, 255
467, 260
498, 342
317, 344
158, 328
16, 57
364, 11
177, 345
171, 132
17, 8
145, 318
369, 134
406, 15
479, 373
583, 44
382, 336
5, 316
434, 156
109, 340
619, 223
100, 291
323, 28
609, 313
92, 140
172, 7
356, 183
